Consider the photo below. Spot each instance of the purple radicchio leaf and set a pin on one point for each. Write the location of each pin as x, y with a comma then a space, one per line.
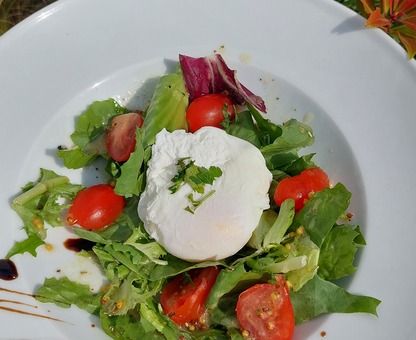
211, 74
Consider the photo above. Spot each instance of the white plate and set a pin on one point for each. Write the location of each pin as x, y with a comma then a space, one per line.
316, 56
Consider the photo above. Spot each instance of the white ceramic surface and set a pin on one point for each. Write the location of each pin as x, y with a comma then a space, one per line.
353, 84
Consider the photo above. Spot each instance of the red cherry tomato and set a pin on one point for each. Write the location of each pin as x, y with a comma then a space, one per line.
301, 187
95, 207
208, 111
265, 311
184, 297
120, 139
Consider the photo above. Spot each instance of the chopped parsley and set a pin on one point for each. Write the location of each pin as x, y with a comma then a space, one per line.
196, 176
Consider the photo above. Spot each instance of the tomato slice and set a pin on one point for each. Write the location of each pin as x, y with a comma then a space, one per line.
208, 111
184, 297
301, 187
95, 207
120, 139
265, 311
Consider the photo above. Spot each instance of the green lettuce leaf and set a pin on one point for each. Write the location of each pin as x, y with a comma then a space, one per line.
30, 244
132, 173
283, 152
92, 122
319, 297
64, 293
74, 158
283, 221
338, 251
320, 213
243, 127
228, 280
40, 205
167, 108
89, 133
268, 132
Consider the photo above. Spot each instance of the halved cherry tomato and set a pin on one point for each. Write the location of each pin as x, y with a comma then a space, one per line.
184, 297
301, 187
120, 139
95, 207
208, 111
265, 311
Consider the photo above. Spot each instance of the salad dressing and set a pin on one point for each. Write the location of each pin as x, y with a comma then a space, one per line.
78, 244
8, 270
19, 311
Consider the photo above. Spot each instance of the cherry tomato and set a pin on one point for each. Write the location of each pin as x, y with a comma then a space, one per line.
208, 111
265, 311
184, 297
301, 187
120, 139
95, 207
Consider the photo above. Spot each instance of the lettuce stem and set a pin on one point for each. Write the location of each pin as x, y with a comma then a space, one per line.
39, 189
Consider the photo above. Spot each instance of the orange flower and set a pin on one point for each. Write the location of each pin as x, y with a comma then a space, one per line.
395, 17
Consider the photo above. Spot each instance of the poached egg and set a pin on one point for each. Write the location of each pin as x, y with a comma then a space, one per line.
224, 222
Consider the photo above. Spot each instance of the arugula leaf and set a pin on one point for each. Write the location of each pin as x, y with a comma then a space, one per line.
28, 245
319, 297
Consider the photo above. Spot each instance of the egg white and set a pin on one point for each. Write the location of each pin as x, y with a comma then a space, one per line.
223, 224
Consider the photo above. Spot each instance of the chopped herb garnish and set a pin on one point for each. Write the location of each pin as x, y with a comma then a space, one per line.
196, 176
197, 203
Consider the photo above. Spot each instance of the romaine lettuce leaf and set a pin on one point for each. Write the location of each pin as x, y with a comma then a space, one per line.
167, 108
132, 172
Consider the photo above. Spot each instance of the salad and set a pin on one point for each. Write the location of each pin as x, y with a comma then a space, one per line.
211, 225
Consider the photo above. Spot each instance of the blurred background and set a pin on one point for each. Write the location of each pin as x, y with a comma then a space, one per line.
14, 11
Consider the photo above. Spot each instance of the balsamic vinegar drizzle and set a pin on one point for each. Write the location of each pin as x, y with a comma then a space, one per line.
8, 270
78, 244
5, 268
